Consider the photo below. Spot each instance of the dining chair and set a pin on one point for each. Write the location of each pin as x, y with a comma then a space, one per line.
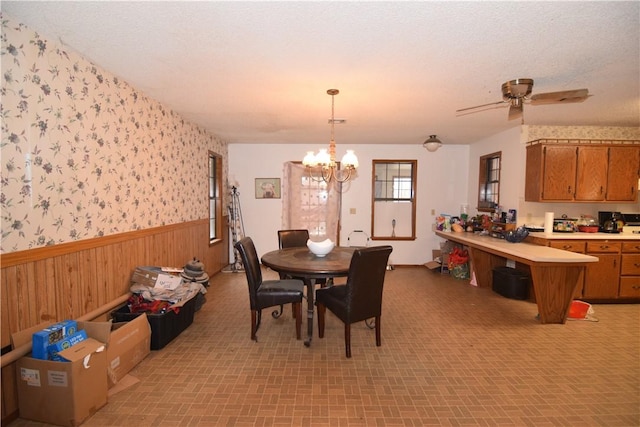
294, 239
268, 293
361, 297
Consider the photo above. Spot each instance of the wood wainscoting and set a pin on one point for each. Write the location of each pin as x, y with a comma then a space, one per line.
69, 280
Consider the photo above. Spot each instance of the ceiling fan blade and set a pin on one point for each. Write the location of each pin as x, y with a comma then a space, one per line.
577, 95
480, 106
515, 111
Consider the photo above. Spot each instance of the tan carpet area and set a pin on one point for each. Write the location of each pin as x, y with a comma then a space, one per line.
451, 355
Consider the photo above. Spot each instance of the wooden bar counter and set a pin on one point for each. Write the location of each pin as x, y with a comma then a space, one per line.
554, 272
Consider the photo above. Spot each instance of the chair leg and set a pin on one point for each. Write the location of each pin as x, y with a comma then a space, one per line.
347, 339
321, 312
378, 339
297, 310
254, 324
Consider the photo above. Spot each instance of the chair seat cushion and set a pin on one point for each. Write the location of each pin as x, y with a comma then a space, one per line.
335, 299
294, 285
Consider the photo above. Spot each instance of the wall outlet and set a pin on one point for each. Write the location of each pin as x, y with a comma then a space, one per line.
352, 211
433, 211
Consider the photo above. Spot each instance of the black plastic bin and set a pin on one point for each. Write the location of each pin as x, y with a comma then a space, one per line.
164, 326
511, 283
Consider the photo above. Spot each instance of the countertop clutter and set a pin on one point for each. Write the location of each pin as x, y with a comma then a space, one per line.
584, 236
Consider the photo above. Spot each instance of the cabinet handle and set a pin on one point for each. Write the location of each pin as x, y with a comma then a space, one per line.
566, 247
604, 246
636, 265
569, 190
601, 189
635, 287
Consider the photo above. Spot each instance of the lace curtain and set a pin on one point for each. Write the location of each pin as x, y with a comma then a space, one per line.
309, 204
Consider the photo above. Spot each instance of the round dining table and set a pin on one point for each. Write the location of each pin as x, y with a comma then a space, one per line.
300, 262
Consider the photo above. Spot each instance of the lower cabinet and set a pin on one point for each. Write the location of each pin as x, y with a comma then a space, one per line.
616, 275
630, 270
602, 278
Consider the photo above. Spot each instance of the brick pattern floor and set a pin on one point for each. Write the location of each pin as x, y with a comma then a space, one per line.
452, 355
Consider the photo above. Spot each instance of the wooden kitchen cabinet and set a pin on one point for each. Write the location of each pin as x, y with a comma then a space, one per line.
602, 278
616, 276
550, 173
624, 171
630, 270
591, 171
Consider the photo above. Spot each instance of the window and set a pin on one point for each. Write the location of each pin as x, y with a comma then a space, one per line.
310, 203
489, 182
215, 201
393, 202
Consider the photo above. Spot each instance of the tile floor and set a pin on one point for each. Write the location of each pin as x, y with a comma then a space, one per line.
451, 355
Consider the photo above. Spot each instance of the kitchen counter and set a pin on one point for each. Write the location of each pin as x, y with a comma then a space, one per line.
554, 272
585, 236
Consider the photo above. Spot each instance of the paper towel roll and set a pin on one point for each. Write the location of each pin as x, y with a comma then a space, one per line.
548, 222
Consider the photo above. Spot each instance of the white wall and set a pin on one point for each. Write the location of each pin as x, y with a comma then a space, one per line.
511, 168
443, 185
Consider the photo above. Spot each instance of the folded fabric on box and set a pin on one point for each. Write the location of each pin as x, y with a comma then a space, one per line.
176, 297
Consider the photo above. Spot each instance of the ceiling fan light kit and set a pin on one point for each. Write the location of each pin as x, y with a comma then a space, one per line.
516, 92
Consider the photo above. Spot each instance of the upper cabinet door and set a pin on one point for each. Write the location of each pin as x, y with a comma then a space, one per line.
591, 175
559, 176
624, 171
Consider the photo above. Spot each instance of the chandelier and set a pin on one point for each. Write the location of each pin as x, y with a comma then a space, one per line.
327, 160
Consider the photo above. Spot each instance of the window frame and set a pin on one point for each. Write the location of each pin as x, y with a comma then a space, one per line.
214, 199
404, 196
489, 177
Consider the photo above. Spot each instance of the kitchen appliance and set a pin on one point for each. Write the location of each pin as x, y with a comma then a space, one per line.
631, 223
610, 222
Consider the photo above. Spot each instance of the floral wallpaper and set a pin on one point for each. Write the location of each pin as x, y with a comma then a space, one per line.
532, 133
84, 154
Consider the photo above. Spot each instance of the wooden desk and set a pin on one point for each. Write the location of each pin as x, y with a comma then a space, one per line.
301, 262
554, 272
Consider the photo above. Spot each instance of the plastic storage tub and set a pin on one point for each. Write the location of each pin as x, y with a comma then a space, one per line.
511, 283
164, 326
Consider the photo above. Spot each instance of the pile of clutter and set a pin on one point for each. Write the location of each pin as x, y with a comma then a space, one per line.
160, 289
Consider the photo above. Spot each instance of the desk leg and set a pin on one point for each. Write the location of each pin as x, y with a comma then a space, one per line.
311, 284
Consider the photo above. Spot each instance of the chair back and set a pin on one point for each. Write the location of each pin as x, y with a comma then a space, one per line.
365, 282
251, 268
292, 238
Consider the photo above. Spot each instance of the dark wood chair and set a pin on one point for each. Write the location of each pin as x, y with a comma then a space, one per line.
268, 293
361, 297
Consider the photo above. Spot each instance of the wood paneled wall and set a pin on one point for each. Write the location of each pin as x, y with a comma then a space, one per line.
69, 280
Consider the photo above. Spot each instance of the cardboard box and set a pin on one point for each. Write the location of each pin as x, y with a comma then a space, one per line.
128, 344
62, 393
145, 276
42, 339
65, 343
68, 393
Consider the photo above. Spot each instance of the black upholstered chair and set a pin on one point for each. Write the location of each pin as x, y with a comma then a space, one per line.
295, 239
361, 297
268, 293
292, 238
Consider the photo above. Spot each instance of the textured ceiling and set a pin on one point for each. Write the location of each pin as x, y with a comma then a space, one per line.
257, 72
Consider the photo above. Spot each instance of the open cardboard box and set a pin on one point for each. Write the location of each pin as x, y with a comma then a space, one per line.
68, 393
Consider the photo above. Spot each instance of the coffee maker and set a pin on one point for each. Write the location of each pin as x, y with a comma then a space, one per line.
610, 222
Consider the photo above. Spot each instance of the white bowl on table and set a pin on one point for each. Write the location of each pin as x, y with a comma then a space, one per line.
320, 249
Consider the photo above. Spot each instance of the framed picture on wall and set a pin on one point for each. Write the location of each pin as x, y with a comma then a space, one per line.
267, 188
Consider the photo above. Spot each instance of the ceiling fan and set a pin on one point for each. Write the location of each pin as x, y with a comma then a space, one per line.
516, 92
